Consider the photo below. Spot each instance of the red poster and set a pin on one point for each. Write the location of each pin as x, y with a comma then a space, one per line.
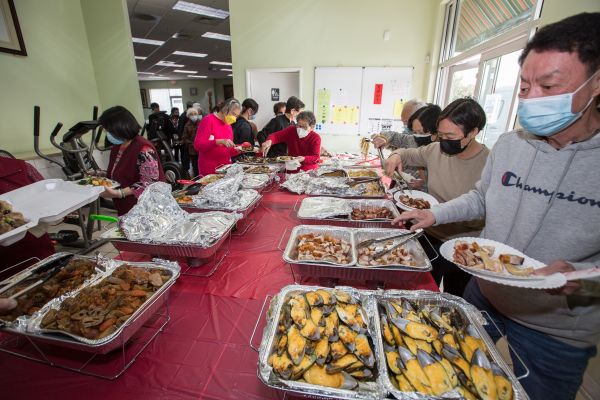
378, 93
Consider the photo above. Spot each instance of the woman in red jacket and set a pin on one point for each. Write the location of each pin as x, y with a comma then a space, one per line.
302, 142
214, 139
134, 162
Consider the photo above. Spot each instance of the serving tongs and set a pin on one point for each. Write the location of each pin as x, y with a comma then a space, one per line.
407, 236
396, 177
356, 181
42, 275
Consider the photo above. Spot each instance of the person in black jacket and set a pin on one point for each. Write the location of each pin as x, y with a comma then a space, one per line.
293, 107
242, 130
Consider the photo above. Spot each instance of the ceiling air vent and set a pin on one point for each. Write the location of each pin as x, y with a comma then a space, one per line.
203, 19
145, 17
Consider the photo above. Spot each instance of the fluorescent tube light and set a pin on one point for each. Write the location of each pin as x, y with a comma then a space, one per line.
146, 73
218, 36
148, 41
140, 58
201, 10
197, 76
220, 63
187, 53
169, 64
229, 74
182, 71
226, 69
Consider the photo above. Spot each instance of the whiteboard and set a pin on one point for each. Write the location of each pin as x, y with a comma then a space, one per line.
337, 99
384, 92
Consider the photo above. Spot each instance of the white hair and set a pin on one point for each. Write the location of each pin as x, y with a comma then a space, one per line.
198, 107
413, 105
191, 111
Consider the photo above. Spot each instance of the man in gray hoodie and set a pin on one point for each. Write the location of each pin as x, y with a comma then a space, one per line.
540, 193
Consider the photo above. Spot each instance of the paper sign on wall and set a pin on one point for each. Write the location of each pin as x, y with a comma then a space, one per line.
323, 105
398, 105
378, 93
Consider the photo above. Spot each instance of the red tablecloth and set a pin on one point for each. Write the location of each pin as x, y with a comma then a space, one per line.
204, 350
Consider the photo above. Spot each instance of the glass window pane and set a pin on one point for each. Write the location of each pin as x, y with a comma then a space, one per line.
175, 92
481, 20
177, 102
501, 76
463, 84
161, 96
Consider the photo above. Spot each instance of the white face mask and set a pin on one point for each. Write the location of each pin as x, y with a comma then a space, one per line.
302, 133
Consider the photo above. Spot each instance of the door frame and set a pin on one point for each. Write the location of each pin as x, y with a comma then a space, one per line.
250, 71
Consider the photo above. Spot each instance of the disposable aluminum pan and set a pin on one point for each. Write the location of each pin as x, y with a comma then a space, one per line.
467, 311
348, 195
365, 390
243, 211
20, 323
290, 253
309, 213
256, 181
187, 251
413, 246
123, 333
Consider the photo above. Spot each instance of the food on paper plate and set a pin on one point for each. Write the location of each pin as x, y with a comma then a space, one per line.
285, 158
9, 219
472, 255
97, 311
323, 247
260, 169
398, 256
97, 181
415, 202
322, 339
362, 213
247, 146
67, 279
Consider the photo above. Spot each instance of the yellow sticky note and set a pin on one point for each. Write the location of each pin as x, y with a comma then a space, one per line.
354, 115
398, 105
338, 114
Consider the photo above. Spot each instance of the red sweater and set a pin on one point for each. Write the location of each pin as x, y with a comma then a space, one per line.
309, 147
210, 154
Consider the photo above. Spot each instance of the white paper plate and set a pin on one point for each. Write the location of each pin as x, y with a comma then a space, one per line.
415, 194
532, 282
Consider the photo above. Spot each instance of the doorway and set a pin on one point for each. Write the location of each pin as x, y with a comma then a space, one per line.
269, 86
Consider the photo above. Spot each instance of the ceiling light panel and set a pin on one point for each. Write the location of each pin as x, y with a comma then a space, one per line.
197, 76
201, 10
189, 54
220, 63
226, 69
140, 58
182, 71
169, 64
148, 41
218, 36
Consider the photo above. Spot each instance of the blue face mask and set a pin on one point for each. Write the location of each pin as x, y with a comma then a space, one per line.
113, 139
546, 116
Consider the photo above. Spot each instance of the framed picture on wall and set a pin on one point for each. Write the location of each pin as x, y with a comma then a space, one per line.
144, 96
193, 91
11, 39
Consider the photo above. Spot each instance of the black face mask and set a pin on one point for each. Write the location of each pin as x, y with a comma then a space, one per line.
423, 140
452, 147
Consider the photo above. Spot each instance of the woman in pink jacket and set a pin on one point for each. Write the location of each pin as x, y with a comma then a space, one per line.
214, 139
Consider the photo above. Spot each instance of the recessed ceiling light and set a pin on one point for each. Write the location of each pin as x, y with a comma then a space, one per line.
146, 73
197, 76
201, 10
148, 41
169, 64
229, 74
218, 36
140, 58
226, 69
220, 63
182, 71
187, 53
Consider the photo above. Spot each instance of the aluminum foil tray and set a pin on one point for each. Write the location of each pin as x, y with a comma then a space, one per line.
256, 181
20, 323
123, 333
310, 212
467, 311
290, 253
365, 390
244, 212
323, 191
413, 246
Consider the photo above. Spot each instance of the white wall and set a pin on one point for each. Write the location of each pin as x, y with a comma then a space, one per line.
310, 33
261, 83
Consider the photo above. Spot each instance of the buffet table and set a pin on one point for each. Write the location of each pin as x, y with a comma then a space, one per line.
204, 350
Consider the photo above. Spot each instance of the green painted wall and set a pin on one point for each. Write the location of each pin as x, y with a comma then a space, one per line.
109, 38
65, 73
57, 74
310, 33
